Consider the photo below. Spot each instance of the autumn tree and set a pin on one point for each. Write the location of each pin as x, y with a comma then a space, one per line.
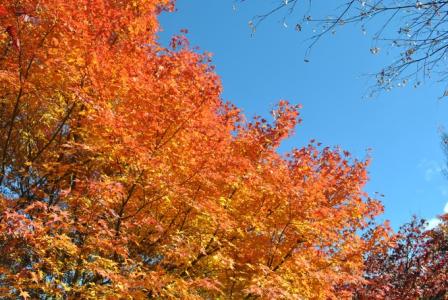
414, 266
124, 175
416, 31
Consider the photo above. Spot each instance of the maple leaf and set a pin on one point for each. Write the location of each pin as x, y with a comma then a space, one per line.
24, 294
3, 11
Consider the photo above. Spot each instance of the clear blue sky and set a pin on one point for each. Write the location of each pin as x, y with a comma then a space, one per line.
401, 127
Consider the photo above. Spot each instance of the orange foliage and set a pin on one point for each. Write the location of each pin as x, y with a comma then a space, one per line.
124, 175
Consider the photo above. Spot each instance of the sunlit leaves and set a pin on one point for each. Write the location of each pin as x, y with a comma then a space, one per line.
123, 174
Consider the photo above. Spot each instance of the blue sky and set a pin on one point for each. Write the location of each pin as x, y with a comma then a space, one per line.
402, 127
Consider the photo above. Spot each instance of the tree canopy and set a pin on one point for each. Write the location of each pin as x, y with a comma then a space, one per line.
413, 266
123, 174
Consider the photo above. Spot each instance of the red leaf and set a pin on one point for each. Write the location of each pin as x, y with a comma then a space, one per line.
3, 11
13, 34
